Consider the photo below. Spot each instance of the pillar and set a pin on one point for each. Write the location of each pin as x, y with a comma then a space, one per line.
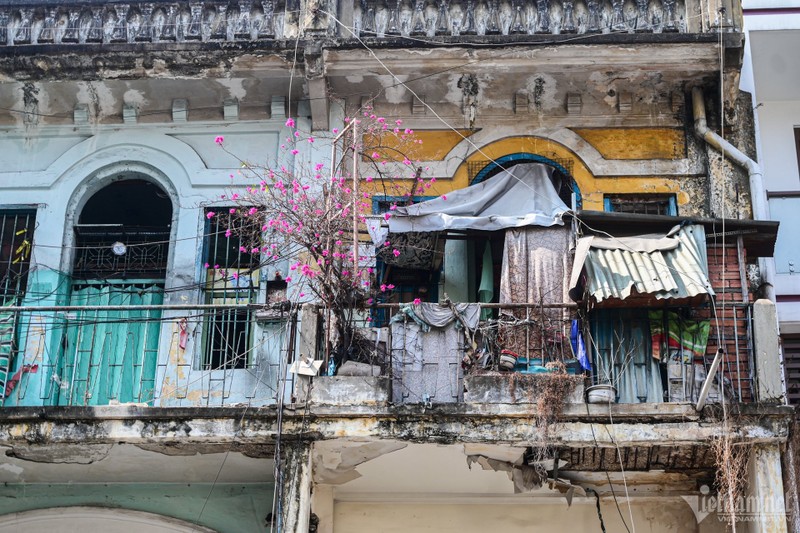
764, 506
322, 506
295, 487
769, 383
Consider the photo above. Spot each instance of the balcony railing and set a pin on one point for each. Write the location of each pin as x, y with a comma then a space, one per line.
647, 355
155, 355
31, 22
161, 355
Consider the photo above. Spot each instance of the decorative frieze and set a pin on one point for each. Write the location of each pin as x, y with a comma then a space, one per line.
429, 18
133, 22
164, 21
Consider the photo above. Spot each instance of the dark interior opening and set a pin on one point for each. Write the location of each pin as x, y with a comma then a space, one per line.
123, 232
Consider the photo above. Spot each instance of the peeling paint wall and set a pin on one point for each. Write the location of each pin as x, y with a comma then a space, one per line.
246, 502
656, 516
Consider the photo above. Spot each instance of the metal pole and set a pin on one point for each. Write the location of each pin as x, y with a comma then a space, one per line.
355, 198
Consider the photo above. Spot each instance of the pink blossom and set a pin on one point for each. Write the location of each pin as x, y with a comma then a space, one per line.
302, 294
205, 265
295, 152
444, 197
368, 179
235, 275
390, 286
231, 210
383, 287
387, 216
387, 243
335, 131
369, 301
396, 252
290, 122
417, 301
288, 279
228, 233
219, 139
210, 215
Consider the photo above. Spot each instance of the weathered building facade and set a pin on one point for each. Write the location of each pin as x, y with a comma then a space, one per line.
141, 389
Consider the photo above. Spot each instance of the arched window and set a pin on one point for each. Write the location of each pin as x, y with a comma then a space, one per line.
562, 177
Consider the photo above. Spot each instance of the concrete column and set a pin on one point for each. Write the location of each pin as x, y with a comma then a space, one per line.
322, 506
769, 383
295, 484
309, 330
764, 506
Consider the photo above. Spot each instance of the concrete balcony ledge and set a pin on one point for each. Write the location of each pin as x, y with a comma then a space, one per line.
513, 388
364, 391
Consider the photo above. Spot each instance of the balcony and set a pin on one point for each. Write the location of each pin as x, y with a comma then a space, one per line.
32, 22
142, 352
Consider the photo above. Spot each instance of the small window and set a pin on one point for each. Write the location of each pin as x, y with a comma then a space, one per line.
232, 277
642, 204
16, 240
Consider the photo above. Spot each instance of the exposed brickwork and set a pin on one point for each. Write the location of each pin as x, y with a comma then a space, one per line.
729, 318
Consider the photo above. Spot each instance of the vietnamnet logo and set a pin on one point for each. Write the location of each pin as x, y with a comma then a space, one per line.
745, 508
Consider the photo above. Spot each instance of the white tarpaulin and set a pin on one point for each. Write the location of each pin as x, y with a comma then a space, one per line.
523, 195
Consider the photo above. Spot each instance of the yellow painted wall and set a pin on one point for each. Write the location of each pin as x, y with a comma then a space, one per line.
432, 145
592, 189
636, 143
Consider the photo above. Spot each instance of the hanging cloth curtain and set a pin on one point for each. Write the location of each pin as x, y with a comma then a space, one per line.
535, 267
111, 355
620, 345
486, 287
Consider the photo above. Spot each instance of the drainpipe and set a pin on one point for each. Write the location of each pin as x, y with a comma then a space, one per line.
757, 195
759, 203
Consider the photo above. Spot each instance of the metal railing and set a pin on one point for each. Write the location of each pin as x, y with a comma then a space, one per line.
156, 355
429, 366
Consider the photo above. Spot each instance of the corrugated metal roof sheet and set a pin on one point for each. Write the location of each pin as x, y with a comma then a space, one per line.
614, 267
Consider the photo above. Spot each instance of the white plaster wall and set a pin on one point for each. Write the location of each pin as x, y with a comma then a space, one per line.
654, 516
777, 121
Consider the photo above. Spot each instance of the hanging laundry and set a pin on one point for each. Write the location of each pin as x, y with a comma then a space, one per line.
578, 345
32, 369
486, 288
690, 337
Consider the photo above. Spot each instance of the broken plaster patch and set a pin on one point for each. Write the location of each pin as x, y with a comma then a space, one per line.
335, 461
235, 87
81, 454
393, 88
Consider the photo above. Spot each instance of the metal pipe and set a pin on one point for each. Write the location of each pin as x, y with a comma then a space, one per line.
757, 195
701, 400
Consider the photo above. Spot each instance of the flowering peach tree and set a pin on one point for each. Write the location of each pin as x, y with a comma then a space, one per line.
314, 215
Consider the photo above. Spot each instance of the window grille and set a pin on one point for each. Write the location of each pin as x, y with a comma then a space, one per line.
232, 277
16, 241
